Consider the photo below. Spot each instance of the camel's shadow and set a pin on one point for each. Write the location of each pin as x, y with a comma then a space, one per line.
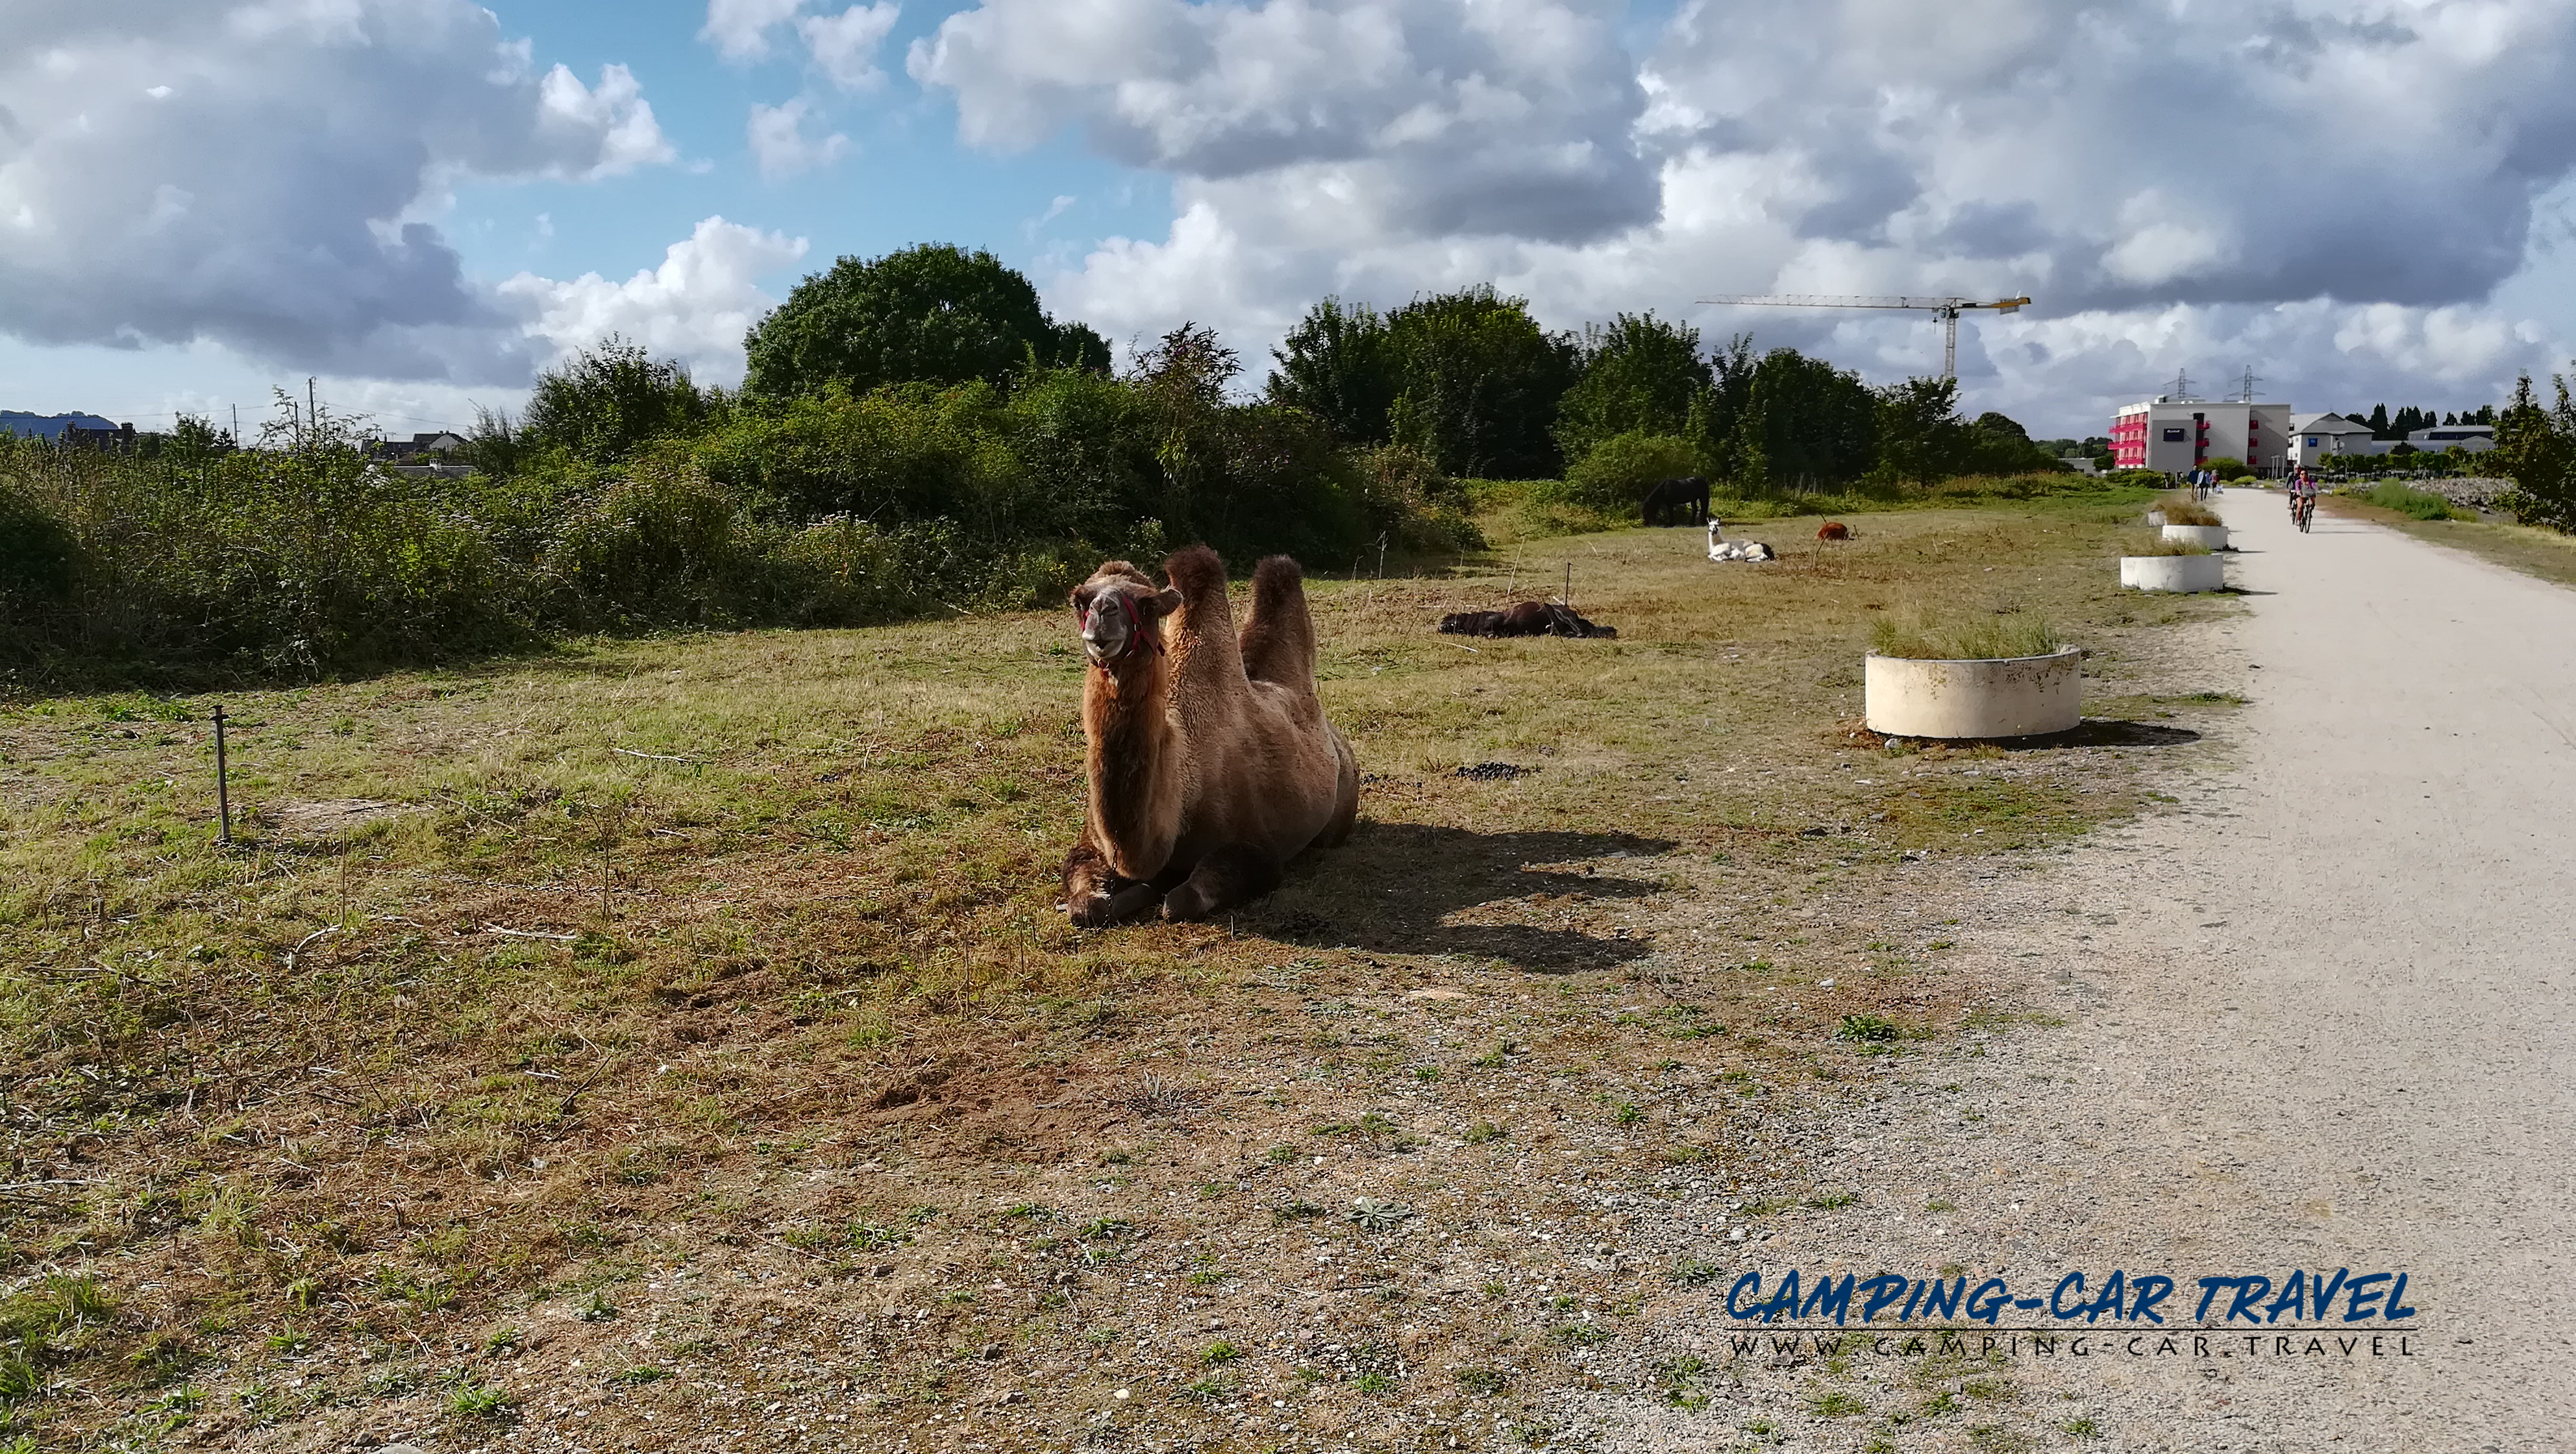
1394, 887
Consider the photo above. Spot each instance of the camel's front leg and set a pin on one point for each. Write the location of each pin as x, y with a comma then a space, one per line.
1233, 875
1095, 896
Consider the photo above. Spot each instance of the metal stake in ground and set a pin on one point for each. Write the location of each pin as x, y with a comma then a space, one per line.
223, 794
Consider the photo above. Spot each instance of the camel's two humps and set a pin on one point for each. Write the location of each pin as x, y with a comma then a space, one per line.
1210, 762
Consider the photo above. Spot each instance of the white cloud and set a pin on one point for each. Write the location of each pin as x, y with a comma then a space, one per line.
2329, 190
695, 307
268, 198
845, 46
779, 144
1393, 118
740, 28
842, 46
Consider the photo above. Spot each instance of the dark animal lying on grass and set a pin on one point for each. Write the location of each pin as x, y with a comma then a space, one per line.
1686, 497
1833, 530
1529, 618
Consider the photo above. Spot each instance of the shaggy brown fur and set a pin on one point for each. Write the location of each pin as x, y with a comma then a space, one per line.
1210, 762
1529, 618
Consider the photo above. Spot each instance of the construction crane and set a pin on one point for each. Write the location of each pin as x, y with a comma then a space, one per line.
1946, 309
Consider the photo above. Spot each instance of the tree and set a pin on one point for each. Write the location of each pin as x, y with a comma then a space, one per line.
1998, 445
933, 313
194, 440
1467, 379
1641, 375
2536, 449
1182, 380
1786, 419
1920, 436
1478, 383
604, 401
1336, 366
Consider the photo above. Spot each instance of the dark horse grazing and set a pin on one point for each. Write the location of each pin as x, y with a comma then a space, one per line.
1686, 497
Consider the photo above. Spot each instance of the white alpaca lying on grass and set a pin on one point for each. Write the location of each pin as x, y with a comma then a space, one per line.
1721, 548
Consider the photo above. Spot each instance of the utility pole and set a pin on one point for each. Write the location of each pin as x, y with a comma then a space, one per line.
2245, 386
311, 414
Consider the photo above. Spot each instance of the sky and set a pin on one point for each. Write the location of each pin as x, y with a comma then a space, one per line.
422, 203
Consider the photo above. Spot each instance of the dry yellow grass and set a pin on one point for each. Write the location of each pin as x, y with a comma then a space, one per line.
693, 1040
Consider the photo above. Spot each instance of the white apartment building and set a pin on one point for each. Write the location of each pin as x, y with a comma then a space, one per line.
2176, 434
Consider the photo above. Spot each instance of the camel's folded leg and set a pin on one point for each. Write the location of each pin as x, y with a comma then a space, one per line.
1096, 896
1233, 875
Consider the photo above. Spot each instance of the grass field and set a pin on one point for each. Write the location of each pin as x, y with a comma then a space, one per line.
662, 1038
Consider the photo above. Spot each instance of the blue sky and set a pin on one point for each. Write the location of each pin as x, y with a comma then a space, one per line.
905, 179
204, 199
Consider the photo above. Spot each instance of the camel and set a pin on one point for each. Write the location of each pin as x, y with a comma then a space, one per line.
1210, 762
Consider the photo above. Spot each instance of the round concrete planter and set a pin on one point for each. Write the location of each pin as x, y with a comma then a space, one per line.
2019, 696
2213, 536
2173, 572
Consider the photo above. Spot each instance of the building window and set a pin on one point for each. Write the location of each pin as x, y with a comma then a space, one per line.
2173, 436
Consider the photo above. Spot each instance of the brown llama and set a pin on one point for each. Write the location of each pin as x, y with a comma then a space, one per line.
1210, 762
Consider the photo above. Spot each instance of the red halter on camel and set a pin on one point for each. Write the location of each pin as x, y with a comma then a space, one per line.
1141, 635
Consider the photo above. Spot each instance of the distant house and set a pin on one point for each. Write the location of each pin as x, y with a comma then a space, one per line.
2317, 438
434, 448
118, 439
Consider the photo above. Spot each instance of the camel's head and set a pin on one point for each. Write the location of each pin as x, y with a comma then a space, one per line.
1121, 613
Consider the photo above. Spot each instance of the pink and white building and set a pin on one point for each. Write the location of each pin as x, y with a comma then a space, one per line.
2176, 434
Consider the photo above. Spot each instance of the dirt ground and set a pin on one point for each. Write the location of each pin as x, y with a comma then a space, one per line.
2308, 1017
675, 1045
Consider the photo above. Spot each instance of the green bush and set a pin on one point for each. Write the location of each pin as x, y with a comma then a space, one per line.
2406, 500
290, 558
604, 403
1619, 471
1406, 499
831, 509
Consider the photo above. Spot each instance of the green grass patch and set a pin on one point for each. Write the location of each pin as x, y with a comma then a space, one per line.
2410, 502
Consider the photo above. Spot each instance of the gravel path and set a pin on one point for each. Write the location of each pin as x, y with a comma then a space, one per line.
2316, 1015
